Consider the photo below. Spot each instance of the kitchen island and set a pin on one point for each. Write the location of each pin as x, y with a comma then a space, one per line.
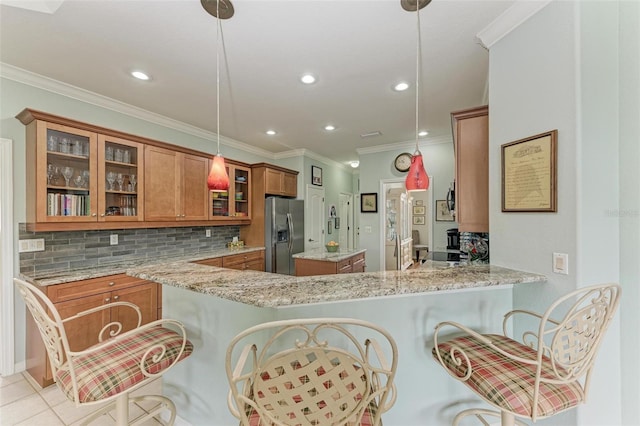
323, 262
215, 304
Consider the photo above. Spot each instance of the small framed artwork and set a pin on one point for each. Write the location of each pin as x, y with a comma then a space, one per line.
418, 210
418, 220
369, 202
442, 212
419, 202
316, 175
529, 174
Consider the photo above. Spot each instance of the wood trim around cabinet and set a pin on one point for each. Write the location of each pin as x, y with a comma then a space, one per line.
28, 115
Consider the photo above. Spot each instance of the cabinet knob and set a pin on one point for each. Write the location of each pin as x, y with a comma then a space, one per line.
112, 283
116, 297
177, 215
102, 215
108, 299
94, 215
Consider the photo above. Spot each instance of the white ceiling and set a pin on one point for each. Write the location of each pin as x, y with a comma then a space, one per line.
358, 49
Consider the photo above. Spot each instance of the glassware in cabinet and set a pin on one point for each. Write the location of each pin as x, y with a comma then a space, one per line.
65, 174
120, 178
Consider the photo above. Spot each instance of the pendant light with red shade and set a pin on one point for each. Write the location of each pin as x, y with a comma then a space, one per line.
417, 178
218, 179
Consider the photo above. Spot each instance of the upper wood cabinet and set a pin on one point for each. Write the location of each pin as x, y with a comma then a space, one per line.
274, 180
176, 187
115, 180
77, 176
234, 204
471, 146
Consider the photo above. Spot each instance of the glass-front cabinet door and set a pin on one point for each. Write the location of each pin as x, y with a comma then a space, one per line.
66, 174
120, 180
235, 203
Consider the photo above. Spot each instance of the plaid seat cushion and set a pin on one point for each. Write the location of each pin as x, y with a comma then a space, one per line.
506, 383
116, 367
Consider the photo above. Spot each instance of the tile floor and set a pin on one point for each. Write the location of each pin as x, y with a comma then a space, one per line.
25, 403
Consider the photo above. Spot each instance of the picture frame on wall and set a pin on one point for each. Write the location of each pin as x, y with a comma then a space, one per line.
369, 202
316, 175
418, 220
419, 210
442, 212
529, 174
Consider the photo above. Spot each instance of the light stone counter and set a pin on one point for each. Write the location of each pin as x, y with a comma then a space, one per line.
121, 266
273, 290
323, 254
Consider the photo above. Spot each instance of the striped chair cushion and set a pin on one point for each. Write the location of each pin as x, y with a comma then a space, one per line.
116, 367
507, 383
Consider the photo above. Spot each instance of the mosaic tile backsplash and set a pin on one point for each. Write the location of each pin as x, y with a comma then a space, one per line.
81, 249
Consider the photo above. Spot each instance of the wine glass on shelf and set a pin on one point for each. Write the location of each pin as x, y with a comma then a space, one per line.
85, 178
111, 178
120, 180
51, 169
78, 182
133, 181
67, 173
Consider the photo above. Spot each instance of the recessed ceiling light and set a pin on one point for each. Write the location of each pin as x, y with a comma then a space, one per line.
271, 132
140, 75
401, 87
423, 133
355, 164
329, 127
308, 78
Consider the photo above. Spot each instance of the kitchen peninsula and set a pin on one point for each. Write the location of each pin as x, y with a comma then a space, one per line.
217, 303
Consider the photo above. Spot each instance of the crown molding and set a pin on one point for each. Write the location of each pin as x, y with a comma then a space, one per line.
405, 145
509, 20
63, 89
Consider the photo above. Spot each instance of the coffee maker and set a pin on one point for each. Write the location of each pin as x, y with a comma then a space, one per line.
453, 239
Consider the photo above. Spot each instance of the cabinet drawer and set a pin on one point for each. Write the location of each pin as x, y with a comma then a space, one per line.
239, 259
74, 290
344, 266
357, 262
216, 261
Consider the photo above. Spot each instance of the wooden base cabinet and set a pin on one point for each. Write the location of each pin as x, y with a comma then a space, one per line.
74, 297
253, 260
308, 267
471, 147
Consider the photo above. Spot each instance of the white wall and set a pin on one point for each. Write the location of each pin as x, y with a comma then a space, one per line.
561, 69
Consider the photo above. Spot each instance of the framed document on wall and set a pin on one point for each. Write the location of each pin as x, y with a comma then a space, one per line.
529, 178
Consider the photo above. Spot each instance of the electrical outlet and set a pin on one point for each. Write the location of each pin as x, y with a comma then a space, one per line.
113, 239
26, 246
561, 263
208, 232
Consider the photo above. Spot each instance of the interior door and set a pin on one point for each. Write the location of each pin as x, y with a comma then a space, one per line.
345, 219
314, 218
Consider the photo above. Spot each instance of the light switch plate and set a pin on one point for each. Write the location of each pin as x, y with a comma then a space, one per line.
113, 239
34, 244
561, 263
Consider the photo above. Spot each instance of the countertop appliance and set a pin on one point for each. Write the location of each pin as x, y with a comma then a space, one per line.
284, 233
453, 239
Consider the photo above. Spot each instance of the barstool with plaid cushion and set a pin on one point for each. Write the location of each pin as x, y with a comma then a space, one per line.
114, 367
544, 374
303, 375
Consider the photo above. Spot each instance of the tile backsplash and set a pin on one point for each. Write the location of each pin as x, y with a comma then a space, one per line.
81, 249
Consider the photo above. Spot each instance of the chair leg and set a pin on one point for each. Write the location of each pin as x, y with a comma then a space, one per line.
122, 410
506, 418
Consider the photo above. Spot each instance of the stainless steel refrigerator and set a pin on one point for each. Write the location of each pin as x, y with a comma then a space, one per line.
284, 233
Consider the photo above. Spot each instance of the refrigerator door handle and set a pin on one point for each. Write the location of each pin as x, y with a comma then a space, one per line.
290, 224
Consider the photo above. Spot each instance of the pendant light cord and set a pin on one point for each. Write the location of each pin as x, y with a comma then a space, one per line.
418, 50
218, 31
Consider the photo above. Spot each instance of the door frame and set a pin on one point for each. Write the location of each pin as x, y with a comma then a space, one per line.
7, 314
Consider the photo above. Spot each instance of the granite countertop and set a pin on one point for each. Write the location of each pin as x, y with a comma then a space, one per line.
273, 290
121, 266
265, 289
323, 254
